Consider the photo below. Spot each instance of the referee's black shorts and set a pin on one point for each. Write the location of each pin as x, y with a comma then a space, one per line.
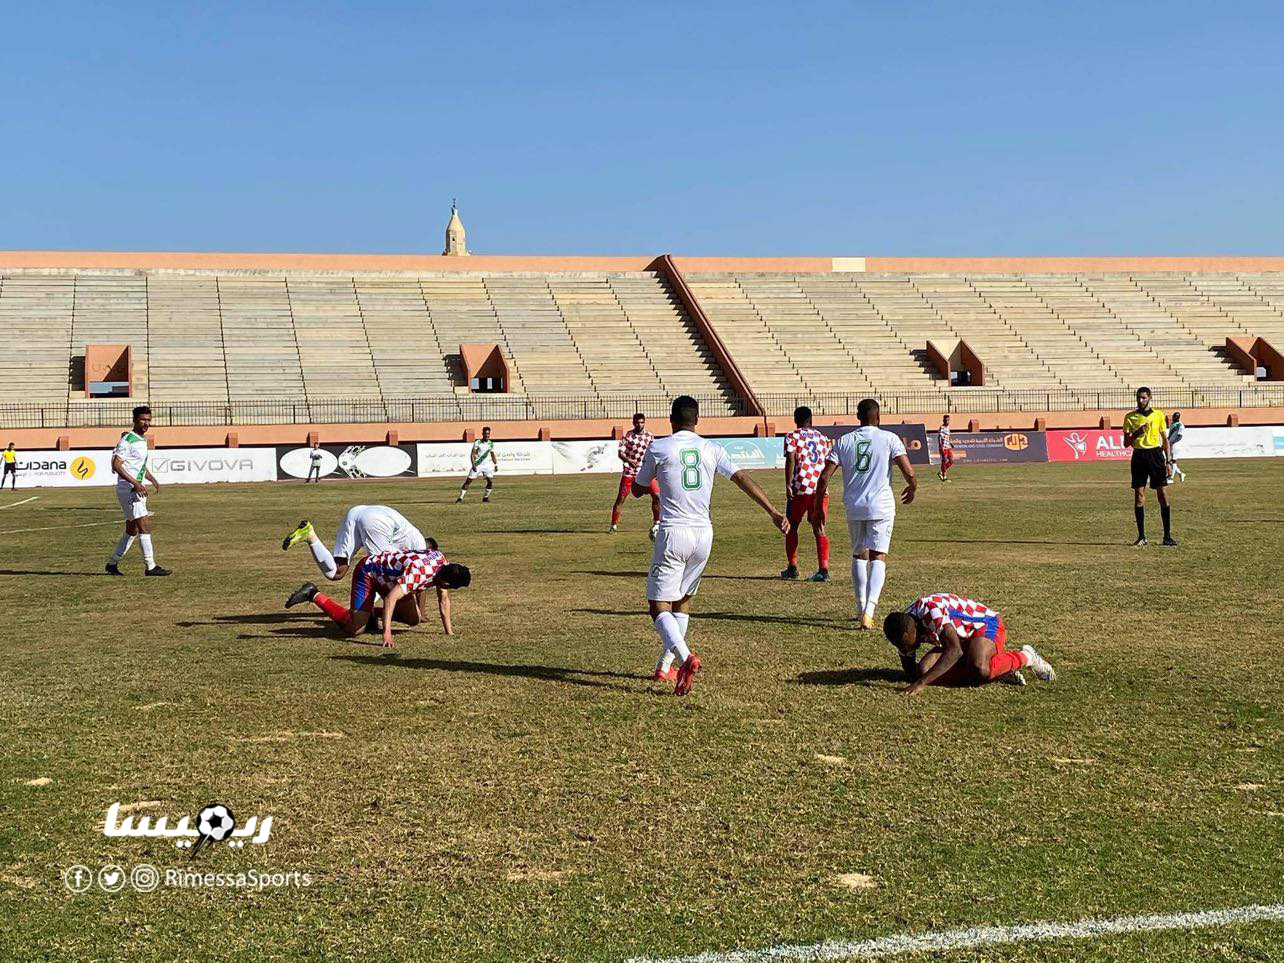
1149, 468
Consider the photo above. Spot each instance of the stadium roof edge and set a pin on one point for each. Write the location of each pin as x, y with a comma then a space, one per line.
425, 263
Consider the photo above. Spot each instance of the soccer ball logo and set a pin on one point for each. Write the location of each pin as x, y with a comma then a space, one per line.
216, 822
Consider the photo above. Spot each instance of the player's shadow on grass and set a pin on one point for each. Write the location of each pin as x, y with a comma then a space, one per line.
15, 571
734, 617
863, 675
255, 618
1008, 541
535, 531
729, 578
544, 673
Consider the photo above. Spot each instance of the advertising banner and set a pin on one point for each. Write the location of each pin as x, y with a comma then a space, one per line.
191, 466
1245, 442
1088, 444
753, 453
999, 447
348, 461
524, 457
914, 437
443, 458
79, 468
574, 457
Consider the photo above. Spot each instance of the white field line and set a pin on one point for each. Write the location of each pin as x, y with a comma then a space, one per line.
23, 502
981, 936
58, 528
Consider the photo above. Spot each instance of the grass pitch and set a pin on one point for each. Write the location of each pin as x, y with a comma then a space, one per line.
522, 791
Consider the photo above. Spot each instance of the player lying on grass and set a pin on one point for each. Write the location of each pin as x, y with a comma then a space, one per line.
401, 578
375, 528
684, 465
967, 645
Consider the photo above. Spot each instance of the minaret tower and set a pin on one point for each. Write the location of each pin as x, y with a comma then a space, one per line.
456, 242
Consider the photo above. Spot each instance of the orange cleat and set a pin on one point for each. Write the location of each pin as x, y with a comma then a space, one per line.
685, 675
665, 675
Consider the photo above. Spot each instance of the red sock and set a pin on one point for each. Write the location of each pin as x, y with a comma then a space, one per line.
1005, 662
331, 608
615, 516
822, 551
791, 549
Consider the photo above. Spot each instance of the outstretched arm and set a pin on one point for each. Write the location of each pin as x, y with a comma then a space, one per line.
390, 606
443, 607
750, 488
911, 483
951, 652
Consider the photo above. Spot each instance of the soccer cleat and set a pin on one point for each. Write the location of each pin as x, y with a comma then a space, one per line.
821, 576
665, 675
941, 475
613, 529
304, 593
866, 621
1012, 678
791, 572
1140, 541
300, 534
655, 530
685, 675
111, 569
1169, 540
157, 570
1040, 666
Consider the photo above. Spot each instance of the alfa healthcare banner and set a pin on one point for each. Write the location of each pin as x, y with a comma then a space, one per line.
348, 461
914, 437
999, 447
1087, 444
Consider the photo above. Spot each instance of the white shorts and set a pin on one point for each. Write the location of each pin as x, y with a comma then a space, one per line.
871, 534
484, 471
677, 562
132, 504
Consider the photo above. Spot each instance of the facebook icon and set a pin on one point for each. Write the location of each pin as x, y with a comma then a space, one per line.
78, 878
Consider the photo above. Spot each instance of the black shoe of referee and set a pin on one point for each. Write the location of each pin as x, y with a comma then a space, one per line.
1169, 540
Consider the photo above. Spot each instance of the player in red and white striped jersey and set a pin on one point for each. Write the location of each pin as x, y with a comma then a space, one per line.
633, 447
966, 640
400, 578
805, 452
946, 447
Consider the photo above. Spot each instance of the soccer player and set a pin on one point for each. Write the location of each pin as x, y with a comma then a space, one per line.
10, 468
314, 458
805, 453
129, 462
482, 450
1176, 431
967, 642
947, 449
1144, 433
866, 456
401, 579
684, 465
632, 447
375, 528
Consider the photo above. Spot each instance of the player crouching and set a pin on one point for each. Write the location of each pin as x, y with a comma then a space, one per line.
401, 578
967, 645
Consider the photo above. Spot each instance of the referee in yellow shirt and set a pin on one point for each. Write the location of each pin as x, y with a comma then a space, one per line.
10, 467
1145, 432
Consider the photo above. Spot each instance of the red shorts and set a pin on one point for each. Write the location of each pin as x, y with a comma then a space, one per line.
800, 507
626, 486
947, 457
961, 674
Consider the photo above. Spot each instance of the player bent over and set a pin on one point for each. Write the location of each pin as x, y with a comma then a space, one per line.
401, 579
684, 464
375, 528
633, 447
967, 642
805, 453
129, 464
483, 450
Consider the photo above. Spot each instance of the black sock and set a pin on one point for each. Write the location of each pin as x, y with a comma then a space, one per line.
1166, 513
1140, 512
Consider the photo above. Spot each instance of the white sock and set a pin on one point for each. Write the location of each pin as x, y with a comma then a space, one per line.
126, 542
666, 658
325, 561
877, 575
671, 635
462, 493
145, 543
860, 582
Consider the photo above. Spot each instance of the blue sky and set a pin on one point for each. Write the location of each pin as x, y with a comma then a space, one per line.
1031, 128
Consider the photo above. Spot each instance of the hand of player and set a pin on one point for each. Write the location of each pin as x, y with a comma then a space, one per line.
913, 690
907, 495
155, 486
387, 638
140, 489
780, 521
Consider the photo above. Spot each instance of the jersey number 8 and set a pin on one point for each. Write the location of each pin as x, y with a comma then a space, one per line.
690, 458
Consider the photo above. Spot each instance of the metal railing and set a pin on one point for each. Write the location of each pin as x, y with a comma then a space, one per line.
481, 407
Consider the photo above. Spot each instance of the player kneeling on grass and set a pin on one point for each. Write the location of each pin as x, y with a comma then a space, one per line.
401, 579
684, 464
967, 645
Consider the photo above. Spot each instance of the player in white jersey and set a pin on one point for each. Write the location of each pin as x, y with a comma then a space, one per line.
866, 456
375, 528
483, 451
129, 463
684, 465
